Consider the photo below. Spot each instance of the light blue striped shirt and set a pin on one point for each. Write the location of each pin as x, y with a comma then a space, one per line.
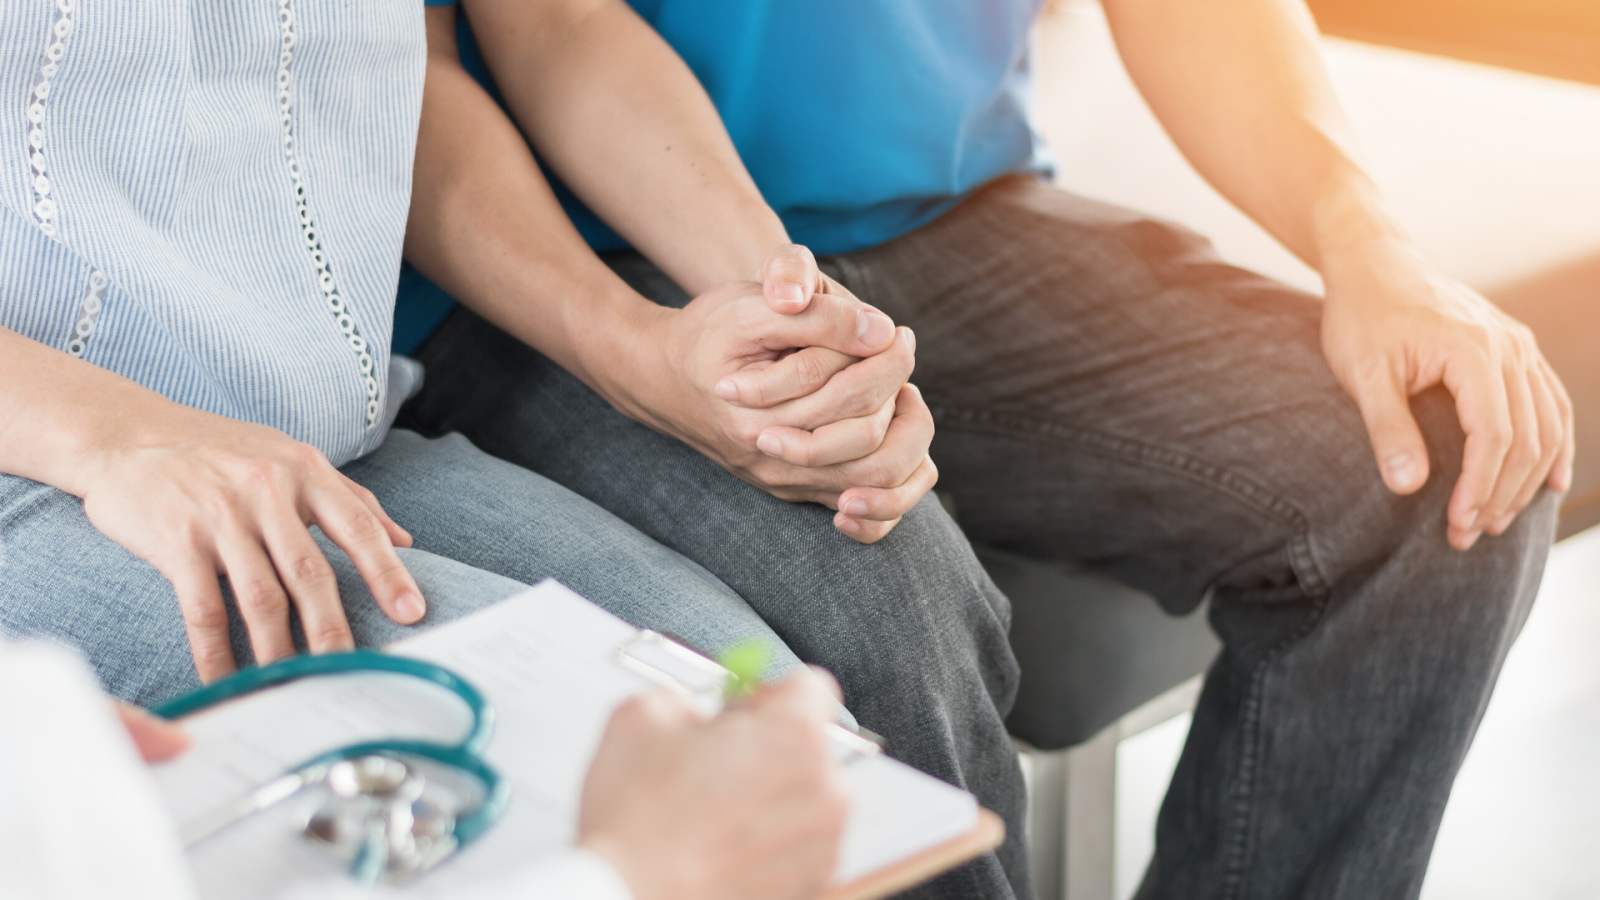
209, 197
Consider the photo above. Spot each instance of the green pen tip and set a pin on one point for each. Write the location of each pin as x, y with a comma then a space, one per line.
745, 660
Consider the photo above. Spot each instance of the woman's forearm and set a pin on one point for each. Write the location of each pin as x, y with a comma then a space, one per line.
59, 414
615, 112
1241, 88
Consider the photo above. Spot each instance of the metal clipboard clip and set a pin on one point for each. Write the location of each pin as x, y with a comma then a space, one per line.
674, 666
700, 680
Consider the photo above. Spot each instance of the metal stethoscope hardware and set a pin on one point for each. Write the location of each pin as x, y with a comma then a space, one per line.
378, 814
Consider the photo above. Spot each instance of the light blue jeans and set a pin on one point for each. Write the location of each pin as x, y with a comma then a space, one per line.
483, 529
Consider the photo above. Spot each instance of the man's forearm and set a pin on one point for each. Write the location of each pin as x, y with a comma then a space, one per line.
1241, 88
623, 121
625, 124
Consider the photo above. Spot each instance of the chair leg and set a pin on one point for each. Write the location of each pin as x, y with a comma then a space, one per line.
1091, 818
1072, 803
1047, 813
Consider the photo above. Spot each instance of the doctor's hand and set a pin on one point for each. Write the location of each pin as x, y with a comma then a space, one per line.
199, 496
1392, 327
810, 406
157, 740
749, 804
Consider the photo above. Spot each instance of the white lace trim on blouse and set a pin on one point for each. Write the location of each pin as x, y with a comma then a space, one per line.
44, 205
337, 306
94, 297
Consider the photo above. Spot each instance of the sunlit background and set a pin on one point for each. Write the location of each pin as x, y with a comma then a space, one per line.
1497, 174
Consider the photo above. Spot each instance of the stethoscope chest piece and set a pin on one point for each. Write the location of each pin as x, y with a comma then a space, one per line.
377, 810
376, 818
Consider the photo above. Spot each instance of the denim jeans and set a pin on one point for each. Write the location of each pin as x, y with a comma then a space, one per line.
911, 626
1106, 390
482, 529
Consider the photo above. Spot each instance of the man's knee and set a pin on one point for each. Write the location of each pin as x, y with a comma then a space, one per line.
1473, 600
1504, 560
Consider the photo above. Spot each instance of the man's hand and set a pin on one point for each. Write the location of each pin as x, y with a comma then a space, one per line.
747, 805
1241, 89
811, 406
198, 495
789, 279
1391, 328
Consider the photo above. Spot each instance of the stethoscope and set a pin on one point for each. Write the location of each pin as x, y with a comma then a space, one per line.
376, 815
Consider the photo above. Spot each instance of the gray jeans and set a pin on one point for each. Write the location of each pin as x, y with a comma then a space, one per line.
1106, 390
482, 528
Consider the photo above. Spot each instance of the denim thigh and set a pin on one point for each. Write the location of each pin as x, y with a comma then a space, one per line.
464, 505
482, 530
912, 626
1106, 389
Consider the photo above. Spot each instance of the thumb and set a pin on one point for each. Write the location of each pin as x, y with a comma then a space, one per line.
1396, 439
788, 278
802, 694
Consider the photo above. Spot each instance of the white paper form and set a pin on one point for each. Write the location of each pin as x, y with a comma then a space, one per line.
547, 662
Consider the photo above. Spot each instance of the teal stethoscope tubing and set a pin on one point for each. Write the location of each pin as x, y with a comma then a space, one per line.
465, 755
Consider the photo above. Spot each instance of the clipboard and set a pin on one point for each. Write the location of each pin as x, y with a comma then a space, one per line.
989, 833
541, 657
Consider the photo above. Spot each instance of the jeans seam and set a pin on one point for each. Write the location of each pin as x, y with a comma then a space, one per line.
1238, 842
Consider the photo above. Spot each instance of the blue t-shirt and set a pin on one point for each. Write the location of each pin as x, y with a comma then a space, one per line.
860, 120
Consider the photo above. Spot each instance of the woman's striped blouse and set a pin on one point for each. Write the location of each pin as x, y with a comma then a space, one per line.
209, 197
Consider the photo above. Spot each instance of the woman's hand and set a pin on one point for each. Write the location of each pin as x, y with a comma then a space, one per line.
198, 495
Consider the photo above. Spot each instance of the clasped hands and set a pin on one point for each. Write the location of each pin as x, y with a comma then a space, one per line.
796, 387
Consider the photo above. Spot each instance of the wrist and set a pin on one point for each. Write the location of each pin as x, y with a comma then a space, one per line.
1351, 224
738, 254
112, 439
639, 885
617, 343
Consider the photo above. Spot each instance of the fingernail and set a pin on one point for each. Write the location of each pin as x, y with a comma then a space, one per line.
854, 507
874, 328
911, 339
1504, 523
849, 526
1400, 473
1471, 538
769, 444
1470, 519
727, 390
789, 292
409, 606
